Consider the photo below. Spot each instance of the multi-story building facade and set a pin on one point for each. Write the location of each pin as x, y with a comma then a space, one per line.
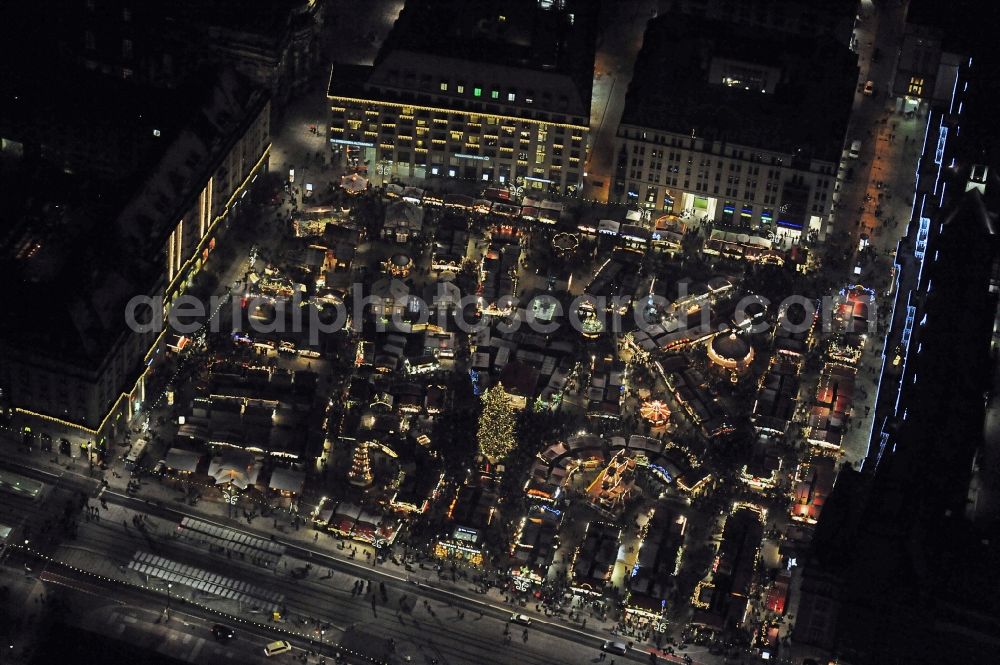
87, 241
744, 131
864, 592
929, 58
275, 44
497, 93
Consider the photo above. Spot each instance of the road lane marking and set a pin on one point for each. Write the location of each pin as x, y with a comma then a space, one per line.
366, 568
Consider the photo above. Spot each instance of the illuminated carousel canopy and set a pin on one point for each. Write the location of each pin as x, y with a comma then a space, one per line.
565, 242
656, 412
399, 265
730, 351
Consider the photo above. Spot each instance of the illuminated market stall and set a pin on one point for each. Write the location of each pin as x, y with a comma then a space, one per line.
470, 514
653, 577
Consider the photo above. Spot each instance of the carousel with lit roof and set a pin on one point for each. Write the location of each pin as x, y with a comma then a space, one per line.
730, 355
656, 413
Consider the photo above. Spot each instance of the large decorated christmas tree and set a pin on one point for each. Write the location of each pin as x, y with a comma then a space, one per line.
496, 425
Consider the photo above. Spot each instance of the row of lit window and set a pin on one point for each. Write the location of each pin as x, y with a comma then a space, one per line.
478, 91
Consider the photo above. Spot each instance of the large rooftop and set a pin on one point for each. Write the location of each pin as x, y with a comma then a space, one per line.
93, 193
960, 27
518, 33
546, 39
809, 81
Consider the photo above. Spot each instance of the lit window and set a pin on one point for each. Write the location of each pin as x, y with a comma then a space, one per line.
494, 94
511, 96
916, 86
477, 92
528, 100
156, 132
460, 88
444, 86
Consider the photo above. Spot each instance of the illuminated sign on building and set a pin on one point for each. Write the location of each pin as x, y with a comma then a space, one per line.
359, 144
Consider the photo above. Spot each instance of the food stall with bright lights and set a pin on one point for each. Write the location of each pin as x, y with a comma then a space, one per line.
470, 514
534, 546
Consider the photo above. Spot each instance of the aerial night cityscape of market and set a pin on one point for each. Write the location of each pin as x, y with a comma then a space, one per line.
527, 332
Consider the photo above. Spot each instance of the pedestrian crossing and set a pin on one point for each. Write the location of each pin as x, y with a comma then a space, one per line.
205, 582
253, 548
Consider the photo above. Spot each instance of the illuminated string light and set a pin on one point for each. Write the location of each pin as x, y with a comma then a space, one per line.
496, 424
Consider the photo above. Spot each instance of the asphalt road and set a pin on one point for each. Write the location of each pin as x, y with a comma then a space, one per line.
138, 619
623, 26
426, 624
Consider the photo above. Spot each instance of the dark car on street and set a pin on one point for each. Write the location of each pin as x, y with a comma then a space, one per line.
223, 633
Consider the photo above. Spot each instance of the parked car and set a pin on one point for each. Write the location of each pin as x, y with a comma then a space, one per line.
522, 619
869, 88
614, 647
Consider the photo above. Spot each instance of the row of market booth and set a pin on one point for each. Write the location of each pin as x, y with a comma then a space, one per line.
653, 580
235, 468
553, 469
722, 599
609, 468
742, 246
496, 202
364, 524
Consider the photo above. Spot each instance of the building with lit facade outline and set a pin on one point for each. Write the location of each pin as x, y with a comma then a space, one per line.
744, 128
491, 92
109, 205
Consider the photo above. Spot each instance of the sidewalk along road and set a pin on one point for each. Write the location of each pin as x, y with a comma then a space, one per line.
130, 614
431, 628
416, 584
109, 552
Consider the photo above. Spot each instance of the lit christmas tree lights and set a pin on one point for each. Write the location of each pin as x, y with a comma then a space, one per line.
496, 425
360, 474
